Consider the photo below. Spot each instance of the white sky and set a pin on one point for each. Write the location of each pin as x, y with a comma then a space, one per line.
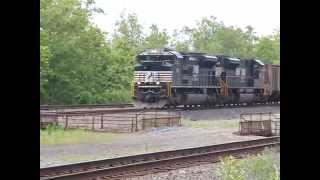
262, 15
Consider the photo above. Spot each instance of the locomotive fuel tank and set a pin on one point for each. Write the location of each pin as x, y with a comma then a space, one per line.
246, 98
189, 99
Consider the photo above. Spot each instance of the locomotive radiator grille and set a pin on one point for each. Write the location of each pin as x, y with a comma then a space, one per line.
153, 76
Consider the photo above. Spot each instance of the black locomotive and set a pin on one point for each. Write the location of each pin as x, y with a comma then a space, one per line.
164, 77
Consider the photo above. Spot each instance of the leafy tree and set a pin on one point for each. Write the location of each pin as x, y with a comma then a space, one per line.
156, 38
45, 56
250, 41
204, 35
276, 45
268, 48
181, 40
128, 34
214, 37
79, 54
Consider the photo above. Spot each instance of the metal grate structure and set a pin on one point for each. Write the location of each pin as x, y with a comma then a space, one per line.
261, 124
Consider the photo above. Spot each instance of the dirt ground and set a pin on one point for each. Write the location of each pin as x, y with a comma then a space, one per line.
155, 139
226, 114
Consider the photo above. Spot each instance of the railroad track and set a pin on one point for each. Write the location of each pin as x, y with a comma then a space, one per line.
138, 165
110, 109
84, 106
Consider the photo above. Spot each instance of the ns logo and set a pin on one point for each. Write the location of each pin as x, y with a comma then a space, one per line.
151, 76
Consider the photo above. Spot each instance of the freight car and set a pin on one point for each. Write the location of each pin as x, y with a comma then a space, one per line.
165, 77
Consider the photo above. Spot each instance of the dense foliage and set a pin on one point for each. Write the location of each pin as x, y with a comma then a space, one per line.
79, 64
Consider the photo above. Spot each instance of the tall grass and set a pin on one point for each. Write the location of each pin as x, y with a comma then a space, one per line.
57, 135
260, 167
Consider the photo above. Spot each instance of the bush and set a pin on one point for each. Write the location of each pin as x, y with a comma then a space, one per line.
117, 96
231, 169
260, 167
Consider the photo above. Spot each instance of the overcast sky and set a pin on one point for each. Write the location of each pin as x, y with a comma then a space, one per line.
262, 15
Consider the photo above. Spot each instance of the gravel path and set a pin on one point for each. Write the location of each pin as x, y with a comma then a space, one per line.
226, 114
153, 140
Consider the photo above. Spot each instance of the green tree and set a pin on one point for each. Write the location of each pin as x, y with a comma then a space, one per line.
214, 37
45, 56
204, 35
127, 41
79, 54
128, 34
180, 40
268, 48
156, 38
276, 45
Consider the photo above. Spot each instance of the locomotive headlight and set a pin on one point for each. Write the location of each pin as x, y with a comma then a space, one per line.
157, 82
138, 83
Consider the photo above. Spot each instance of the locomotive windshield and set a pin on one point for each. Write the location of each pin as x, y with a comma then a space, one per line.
142, 58
155, 60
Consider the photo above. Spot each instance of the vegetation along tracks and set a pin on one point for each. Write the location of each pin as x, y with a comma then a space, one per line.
143, 164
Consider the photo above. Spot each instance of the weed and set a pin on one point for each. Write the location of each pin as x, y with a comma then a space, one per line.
230, 169
260, 167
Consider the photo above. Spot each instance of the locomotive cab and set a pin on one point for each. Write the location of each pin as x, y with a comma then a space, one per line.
153, 77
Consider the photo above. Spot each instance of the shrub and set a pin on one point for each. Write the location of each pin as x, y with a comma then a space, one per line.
231, 169
260, 167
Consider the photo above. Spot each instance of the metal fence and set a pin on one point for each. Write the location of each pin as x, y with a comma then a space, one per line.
157, 119
125, 122
47, 118
262, 124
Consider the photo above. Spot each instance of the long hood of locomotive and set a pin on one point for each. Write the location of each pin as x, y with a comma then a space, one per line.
152, 76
